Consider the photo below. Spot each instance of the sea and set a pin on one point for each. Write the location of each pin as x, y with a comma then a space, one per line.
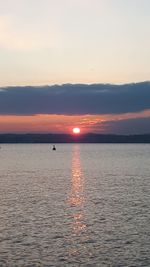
81, 205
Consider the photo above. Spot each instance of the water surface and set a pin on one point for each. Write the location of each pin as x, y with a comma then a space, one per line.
81, 205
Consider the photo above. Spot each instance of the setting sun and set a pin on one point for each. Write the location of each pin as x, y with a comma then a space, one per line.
76, 130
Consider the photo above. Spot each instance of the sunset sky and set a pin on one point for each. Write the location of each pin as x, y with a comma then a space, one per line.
75, 63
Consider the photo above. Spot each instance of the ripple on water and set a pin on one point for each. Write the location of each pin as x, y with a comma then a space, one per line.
87, 205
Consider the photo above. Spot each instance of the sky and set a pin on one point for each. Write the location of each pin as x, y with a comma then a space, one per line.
67, 63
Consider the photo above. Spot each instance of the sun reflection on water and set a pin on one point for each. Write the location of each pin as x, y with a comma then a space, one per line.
77, 243
76, 197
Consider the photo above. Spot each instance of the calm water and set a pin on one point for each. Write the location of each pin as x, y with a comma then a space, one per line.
82, 205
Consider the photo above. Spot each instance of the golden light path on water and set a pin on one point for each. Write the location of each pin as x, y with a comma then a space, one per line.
77, 191
76, 202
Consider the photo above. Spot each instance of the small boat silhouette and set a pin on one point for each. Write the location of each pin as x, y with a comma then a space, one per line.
54, 148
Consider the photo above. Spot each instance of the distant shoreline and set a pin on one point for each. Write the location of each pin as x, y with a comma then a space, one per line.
67, 138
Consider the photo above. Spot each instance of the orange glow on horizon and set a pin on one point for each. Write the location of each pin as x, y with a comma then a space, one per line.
45, 123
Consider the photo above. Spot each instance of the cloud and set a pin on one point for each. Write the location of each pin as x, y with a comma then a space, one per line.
75, 99
128, 126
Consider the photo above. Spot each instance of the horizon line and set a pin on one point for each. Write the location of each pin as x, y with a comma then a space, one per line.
79, 83
71, 134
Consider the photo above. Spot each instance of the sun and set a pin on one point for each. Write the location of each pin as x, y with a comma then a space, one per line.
76, 130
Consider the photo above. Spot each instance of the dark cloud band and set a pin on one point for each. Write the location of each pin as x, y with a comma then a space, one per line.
126, 126
75, 99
